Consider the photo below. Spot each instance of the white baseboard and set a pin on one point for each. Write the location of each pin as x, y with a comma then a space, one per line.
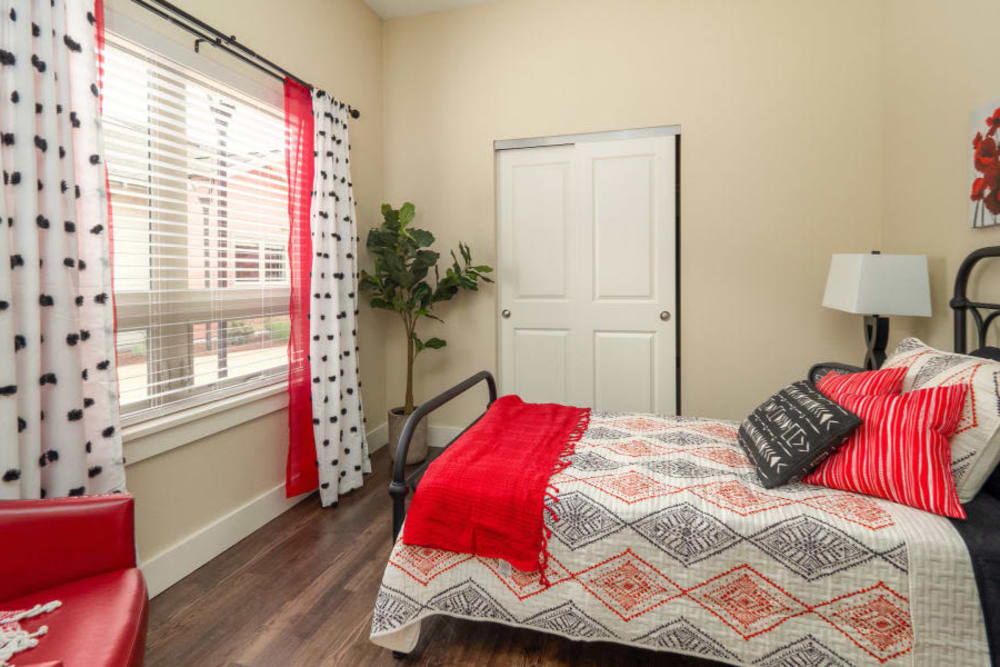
439, 436
176, 562
378, 437
181, 559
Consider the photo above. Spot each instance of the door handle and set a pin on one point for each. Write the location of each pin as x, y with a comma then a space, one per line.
505, 314
664, 315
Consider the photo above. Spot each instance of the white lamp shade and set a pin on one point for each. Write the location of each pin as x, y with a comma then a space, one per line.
879, 284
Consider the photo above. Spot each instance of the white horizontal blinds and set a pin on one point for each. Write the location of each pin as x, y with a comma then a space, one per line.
199, 205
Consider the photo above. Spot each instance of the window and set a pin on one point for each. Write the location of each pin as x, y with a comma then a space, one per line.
274, 263
199, 201
247, 256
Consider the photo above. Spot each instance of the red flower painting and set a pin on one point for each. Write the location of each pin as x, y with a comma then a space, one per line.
985, 193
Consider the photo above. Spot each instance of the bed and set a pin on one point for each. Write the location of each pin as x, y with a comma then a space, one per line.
667, 540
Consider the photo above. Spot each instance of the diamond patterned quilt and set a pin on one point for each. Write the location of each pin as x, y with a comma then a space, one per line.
665, 539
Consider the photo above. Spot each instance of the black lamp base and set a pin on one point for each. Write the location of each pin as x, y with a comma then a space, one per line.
876, 330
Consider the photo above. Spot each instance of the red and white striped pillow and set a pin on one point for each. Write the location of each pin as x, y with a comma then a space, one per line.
901, 450
866, 383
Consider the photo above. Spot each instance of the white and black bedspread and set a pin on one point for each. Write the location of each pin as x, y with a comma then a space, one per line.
666, 540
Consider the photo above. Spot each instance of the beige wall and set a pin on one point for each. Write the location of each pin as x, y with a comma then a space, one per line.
936, 72
335, 44
780, 114
187, 488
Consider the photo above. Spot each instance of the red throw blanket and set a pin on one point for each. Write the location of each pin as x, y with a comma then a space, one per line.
485, 494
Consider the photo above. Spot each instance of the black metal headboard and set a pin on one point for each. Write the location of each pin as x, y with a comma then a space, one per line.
983, 314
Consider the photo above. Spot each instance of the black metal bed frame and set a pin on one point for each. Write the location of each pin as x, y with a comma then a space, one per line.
961, 305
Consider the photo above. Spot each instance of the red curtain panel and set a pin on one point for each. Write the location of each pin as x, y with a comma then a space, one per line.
300, 473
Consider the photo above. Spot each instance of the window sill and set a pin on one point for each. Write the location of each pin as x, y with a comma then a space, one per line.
161, 434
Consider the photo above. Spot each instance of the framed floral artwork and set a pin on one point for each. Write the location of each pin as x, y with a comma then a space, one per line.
984, 209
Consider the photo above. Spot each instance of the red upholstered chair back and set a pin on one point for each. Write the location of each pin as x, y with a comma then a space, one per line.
49, 542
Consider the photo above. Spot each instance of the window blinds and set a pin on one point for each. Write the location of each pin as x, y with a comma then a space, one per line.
199, 204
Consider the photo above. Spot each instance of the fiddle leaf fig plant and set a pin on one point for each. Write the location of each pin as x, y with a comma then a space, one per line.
403, 263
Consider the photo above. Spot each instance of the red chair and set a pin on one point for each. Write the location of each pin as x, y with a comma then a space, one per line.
80, 551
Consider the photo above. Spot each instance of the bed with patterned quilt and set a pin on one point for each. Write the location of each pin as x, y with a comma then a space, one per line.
658, 532
666, 540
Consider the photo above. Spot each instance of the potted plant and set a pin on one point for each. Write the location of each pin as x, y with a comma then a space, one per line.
403, 262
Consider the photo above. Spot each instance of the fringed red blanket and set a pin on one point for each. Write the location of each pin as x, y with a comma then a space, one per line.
485, 495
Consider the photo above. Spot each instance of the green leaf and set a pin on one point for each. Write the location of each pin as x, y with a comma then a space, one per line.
391, 217
396, 269
482, 268
406, 213
434, 343
421, 237
425, 258
418, 344
444, 292
379, 302
422, 262
369, 283
381, 239
421, 295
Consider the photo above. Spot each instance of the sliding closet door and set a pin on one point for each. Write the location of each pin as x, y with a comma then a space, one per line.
540, 253
587, 271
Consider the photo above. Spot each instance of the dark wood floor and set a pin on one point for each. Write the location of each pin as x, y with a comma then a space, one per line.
299, 591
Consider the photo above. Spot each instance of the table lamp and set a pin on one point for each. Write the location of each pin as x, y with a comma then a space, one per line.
877, 285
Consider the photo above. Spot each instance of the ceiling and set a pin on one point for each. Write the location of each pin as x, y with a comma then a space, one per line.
390, 9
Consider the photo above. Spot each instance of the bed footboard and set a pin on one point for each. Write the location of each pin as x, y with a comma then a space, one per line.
401, 484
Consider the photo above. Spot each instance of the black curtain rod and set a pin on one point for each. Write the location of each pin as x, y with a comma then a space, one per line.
228, 43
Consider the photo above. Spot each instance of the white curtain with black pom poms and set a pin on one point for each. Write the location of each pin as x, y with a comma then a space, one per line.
338, 417
59, 432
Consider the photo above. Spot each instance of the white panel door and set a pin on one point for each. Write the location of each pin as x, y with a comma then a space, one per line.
587, 274
539, 350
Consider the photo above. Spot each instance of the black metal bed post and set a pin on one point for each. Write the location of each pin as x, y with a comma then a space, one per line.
398, 487
960, 302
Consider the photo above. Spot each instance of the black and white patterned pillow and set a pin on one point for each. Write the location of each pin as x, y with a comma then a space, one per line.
792, 432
